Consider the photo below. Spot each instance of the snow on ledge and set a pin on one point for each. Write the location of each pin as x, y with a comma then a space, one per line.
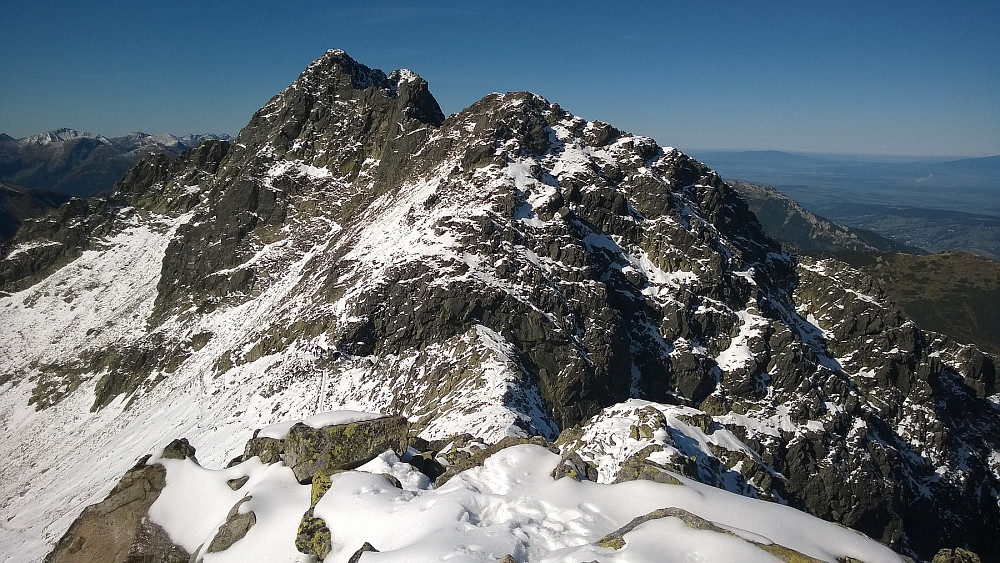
279, 430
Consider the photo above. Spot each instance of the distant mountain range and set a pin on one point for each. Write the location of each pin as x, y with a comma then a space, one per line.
42, 171
953, 293
936, 204
818, 182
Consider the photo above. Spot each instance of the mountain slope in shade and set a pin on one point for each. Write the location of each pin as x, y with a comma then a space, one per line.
790, 223
81, 164
49, 168
18, 204
509, 270
953, 293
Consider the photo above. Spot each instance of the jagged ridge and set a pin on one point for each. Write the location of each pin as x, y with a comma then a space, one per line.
510, 270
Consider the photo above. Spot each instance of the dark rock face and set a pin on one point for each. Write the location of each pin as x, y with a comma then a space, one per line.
63, 236
18, 203
117, 530
156, 184
901, 379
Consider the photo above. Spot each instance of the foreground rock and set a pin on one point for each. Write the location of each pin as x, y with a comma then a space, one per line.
493, 492
118, 530
345, 446
616, 540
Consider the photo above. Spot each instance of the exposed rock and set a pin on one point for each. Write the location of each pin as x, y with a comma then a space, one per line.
18, 203
393, 480
313, 536
475, 458
322, 480
459, 451
117, 530
269, 450
233, 529
237, 484
616, 540
366, 547
425, 463
638, 468
342, 446
156, 183
957, 555
573, 466
180, 449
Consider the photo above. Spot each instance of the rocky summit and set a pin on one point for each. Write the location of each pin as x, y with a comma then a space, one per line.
511, 272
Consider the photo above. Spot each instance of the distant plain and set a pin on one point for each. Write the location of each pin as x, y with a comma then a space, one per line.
931, 203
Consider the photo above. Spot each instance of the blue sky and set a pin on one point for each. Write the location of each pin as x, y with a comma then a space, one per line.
907, 78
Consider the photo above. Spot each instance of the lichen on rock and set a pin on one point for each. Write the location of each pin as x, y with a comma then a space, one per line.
343, 446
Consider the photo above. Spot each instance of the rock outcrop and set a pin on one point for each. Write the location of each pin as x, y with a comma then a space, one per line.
118, 529
346, 446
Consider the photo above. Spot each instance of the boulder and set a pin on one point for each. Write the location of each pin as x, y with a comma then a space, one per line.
957, 555
342, 446
313, 536
116, 530
575, 467
616, 540
269, 450
233, 529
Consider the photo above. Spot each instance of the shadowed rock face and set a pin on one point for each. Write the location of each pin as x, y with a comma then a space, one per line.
79, 224
513, 270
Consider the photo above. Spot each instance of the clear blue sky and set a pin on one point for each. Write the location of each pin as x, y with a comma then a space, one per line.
908, 77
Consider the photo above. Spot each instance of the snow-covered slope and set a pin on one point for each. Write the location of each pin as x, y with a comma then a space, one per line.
509, 505
511, 270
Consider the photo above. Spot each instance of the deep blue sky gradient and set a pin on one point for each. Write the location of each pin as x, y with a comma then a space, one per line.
908, 78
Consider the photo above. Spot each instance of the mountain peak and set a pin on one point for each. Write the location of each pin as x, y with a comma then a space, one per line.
336, 61
330, 70
60, 135
337, 103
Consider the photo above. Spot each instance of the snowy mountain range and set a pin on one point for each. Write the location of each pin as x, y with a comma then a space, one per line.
79, 163
510, 274
40, 172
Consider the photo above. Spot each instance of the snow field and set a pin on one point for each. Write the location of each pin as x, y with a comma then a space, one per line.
511, 505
